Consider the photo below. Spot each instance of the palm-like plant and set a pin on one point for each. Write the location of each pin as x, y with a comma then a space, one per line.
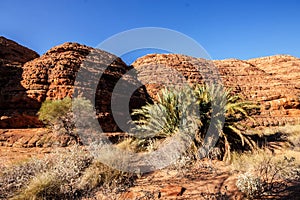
174, 109
204, 106
235, 110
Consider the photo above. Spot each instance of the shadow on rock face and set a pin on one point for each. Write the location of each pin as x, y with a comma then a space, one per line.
17, 110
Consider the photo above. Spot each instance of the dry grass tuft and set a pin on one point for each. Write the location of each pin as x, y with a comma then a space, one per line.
249, 161
99, 174
263, 174
66, 174
42, 186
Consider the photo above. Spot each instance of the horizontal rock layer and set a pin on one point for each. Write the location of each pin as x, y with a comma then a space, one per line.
26, 80
53, 76
13, 97
271, 81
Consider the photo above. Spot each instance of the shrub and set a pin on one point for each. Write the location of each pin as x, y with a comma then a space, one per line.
277, 174
249, 184
58, 114
54, 111
266, 175
66, 174
175, 109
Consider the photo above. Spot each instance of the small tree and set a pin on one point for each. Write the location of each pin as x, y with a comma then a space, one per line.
59, 116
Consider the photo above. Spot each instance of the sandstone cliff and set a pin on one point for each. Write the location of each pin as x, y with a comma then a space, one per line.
52, 76
13, 53
13, 97
27, 80
271, 81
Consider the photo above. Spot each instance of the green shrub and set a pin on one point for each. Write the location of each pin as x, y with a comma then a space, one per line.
59, 115
175, 109
53, 111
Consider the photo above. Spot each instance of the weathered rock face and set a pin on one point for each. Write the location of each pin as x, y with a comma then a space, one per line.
34, 137
157, 70
27, 80
13, 98
283, 67
53, 75
271, 81
276, 91
13, 53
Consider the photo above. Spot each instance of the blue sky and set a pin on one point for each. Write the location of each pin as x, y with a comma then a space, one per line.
240, 29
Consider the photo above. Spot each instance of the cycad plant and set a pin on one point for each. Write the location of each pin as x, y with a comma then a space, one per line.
175, 108
205, 106
234, 131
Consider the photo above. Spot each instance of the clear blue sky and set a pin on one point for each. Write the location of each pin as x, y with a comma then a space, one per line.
230, 28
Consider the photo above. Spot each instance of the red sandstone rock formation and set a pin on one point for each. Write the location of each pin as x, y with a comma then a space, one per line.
52, 76
13, 53
14, 111
157, 70
276, 90
271, 81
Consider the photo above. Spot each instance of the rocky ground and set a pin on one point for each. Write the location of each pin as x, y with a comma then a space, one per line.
205, 180
208, 178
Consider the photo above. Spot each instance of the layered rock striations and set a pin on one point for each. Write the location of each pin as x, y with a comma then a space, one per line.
53, 75
277, 94
271, 81
159, 70
16, 108
26, 80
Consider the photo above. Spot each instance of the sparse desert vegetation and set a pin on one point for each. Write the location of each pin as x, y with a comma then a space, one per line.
253, 120
69, 173
74, 173
193, 112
